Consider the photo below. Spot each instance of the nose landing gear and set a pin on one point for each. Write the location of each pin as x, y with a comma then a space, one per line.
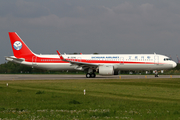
156, 73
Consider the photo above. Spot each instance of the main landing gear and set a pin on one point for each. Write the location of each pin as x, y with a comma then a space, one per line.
90, 75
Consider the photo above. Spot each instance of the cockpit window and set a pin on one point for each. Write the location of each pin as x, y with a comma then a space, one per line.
167, 59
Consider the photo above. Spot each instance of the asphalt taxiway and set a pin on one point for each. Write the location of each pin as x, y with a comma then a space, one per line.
66, 77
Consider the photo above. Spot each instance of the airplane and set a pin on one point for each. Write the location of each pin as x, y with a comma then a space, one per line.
104, 64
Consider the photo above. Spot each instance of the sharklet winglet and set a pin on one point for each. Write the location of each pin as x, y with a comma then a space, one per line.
61, 57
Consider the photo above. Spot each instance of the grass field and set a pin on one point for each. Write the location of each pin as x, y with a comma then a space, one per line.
126, 99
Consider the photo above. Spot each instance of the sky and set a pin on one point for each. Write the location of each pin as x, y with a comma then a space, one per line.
92, 26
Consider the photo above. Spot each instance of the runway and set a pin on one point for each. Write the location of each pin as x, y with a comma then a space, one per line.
66, 77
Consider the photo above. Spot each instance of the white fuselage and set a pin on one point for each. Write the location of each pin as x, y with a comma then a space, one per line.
118, 61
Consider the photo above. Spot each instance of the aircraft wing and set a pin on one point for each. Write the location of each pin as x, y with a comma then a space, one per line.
81, 64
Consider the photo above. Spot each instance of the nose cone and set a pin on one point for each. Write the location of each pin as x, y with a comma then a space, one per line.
174, 64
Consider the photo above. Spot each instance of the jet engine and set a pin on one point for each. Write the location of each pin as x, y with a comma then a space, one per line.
106, 70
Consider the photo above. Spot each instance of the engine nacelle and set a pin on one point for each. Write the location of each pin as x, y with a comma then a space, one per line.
106, 70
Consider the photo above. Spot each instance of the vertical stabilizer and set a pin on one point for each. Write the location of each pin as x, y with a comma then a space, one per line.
20, 49
178, 59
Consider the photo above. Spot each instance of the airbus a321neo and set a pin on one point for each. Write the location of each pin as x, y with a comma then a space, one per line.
104, 64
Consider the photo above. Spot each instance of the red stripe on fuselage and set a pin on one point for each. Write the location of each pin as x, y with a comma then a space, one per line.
57, 60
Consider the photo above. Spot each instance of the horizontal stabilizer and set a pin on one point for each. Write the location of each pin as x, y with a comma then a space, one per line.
13, 59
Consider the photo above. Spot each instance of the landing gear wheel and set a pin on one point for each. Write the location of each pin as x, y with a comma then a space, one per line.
156, 75
93, 75
88, 75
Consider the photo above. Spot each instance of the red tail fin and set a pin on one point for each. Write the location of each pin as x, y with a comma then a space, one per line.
20, 49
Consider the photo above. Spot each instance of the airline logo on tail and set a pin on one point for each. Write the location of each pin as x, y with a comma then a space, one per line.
17, 45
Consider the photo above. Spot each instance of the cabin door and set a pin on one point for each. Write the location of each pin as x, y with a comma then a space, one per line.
34, 58
156, 59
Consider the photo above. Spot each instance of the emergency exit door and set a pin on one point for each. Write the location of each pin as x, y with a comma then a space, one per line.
121, 60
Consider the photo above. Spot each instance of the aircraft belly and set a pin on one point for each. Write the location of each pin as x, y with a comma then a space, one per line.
52, 66
143, 66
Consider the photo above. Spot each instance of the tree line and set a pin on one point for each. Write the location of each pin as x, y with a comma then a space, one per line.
15, 68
